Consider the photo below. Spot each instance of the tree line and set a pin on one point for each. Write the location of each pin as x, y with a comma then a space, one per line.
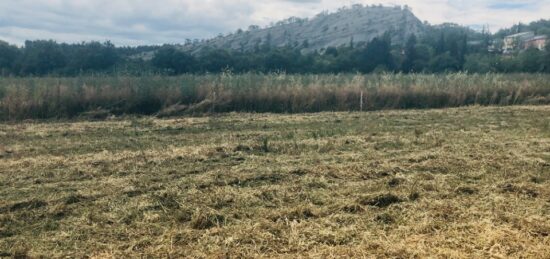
443, 48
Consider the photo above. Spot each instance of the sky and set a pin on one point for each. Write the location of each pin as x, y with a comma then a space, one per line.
155, 22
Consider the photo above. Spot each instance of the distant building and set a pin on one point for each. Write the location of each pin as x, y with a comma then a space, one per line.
516, 41
538, 42
496, 46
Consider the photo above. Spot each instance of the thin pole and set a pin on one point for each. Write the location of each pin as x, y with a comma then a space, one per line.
361, 103
214, 101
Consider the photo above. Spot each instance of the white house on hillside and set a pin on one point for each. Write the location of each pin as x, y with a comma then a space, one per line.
516, 41
538, 42
522, 41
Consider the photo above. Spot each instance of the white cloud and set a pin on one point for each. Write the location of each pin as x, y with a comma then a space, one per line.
134, 22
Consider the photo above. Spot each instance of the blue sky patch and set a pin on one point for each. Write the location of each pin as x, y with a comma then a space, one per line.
508, 6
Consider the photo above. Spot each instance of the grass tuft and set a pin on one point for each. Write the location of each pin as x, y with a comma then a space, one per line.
204, 220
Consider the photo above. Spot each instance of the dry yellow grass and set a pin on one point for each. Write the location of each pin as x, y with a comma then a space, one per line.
461, 183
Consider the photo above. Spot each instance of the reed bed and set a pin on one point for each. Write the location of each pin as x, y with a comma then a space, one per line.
49, 97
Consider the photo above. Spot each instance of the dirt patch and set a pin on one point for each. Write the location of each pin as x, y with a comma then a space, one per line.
414, 196
385, 218
72, 199
26, 205
242, 148
394, 182
260, 180
522, 190
380, 201
466, 190
352, 208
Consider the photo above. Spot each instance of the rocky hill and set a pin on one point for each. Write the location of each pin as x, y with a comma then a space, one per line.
355, 24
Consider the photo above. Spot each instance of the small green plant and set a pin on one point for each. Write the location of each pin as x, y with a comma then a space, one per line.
315, 135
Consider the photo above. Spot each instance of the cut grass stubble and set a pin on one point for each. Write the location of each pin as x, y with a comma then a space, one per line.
465, 182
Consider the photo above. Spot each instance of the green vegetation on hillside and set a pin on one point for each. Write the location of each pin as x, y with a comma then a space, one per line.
442, 48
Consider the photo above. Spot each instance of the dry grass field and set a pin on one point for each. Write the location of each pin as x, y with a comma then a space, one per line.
468, 182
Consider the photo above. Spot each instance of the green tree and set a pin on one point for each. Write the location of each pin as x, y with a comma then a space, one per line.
174, 61
444, 63
410, 55
531, 61
279, 60
546, 59
93, 56
215, 60
462, 50
424, 54
41, 57
377, 53
480, 63
332, 51
8, 55
440, 47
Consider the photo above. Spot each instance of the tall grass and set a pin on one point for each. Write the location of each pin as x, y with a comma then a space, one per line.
37, 98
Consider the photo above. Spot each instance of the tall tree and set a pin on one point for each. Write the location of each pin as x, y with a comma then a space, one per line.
462, 50
8, 55
376, 55
546, 59
444, 63
531, 61
92, 56
41, 57
410, 55
440, 47
174, 61
216, 60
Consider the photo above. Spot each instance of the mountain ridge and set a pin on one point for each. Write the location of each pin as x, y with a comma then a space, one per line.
357, 24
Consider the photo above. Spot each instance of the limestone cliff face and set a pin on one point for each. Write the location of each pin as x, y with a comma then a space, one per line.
356, 24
